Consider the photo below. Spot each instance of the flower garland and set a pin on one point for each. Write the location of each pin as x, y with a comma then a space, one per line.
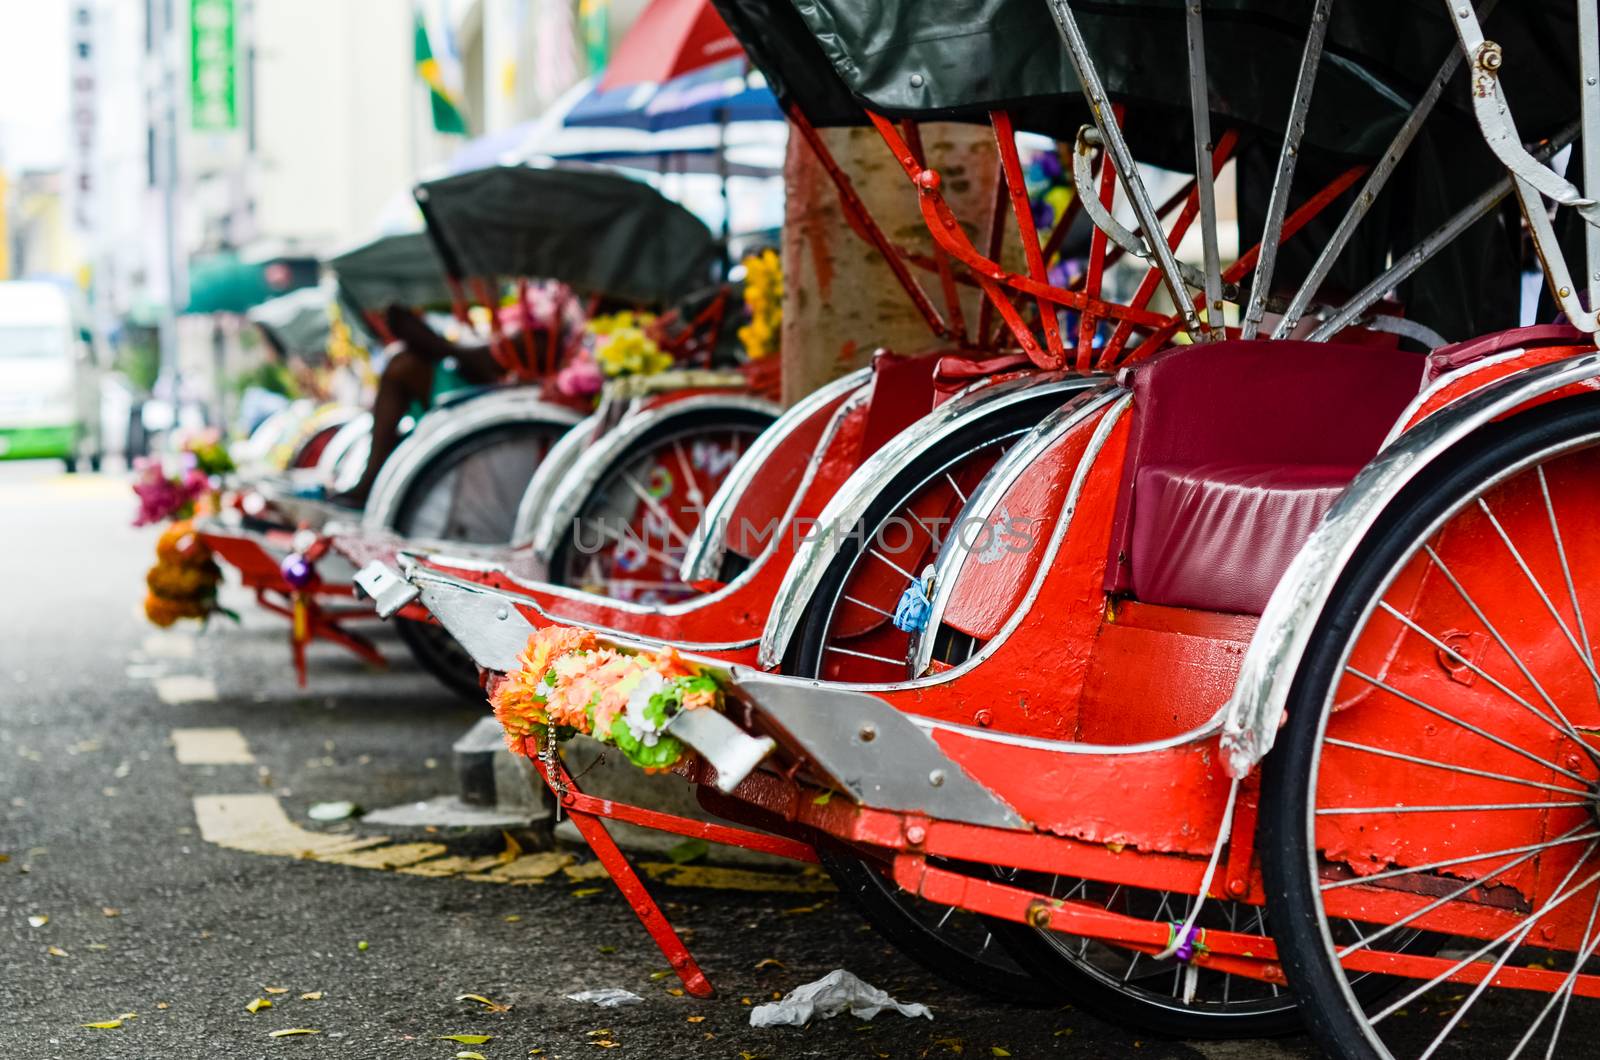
165, 494
567, 679
183, 583
763, 295
615, 345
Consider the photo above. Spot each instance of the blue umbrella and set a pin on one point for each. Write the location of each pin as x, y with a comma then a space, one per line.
720, 94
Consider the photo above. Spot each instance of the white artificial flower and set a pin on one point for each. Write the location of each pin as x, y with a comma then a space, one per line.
642, 728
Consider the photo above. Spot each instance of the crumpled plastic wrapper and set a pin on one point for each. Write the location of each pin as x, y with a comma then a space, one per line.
610, 997
836, 992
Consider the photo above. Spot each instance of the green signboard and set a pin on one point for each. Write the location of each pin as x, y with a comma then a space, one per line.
213, 67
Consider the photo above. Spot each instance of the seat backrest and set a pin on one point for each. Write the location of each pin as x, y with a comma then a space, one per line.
1258, 402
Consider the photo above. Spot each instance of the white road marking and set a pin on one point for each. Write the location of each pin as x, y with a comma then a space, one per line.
169, 645
211, 747
186, 688
257, 824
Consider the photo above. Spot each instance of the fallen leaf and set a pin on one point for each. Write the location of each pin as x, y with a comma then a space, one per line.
608, 949
601, 1033
823, 799
362, 945
128, 1016
471, 1056
513, 849
661, 974
697, 1019
585, 892
162, 1004
276, 989
39, 921
57, 951
513, 918
98, 946
1063, 1032
291, 1032
997, 1051
103, 1025
315, 995
492, 1006
770, 962
955, 1045
257, 1005
107, 911
605, 1043
674, 991
466, 1039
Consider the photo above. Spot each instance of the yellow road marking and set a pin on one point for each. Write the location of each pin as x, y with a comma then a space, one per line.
211, 747
257, 824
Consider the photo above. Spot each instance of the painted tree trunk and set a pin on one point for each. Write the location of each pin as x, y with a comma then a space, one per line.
840, 300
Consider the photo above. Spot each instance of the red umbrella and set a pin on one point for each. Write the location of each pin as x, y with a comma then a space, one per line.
668, 39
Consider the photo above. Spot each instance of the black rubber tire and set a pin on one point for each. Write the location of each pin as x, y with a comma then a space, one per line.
879, 902
672, 427
433, 648
874, 895
1093, 994
804, 657
1286, 795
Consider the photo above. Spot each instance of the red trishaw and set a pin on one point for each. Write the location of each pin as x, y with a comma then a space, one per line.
1280, 527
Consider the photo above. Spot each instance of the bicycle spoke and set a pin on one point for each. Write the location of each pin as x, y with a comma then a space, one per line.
1585, 951
1539, 914
1446, 863
1467, 725
1481, 807
1511, 947
696, 498
870, 607
955, 487
1564, 724
1465, 770
1566, 569
1367, 940
1565, 729
655, 508
866, 655
909, 576
1534, 582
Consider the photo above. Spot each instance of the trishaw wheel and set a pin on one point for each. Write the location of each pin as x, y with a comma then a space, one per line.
837, 640
1165, 998
959, 947
1437, 771
469, 492
627, 540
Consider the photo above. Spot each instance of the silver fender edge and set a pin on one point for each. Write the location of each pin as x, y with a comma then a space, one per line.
547, 479
864, 747
702, 560
1254, 712
442, 428
839, 517
591, 465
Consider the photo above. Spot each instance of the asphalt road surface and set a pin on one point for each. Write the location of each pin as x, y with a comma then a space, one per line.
117, 896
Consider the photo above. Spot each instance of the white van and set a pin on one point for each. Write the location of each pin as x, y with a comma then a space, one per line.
49, 381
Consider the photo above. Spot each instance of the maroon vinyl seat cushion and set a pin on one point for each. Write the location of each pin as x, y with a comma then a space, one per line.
1232, 529
1237, 449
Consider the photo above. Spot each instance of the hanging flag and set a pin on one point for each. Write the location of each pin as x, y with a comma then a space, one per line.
595, 18
447, 117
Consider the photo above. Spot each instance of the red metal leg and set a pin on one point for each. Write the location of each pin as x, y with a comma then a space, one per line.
628, 882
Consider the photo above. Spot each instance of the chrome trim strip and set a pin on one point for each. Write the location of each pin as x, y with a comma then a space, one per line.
702, 560
991, 491
356, 428
440, 429
846, 507
591, 465
451, 555
1256, 707
547, 478
1427, 392
418, 575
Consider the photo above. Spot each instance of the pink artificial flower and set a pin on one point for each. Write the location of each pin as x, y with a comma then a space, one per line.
580, 378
